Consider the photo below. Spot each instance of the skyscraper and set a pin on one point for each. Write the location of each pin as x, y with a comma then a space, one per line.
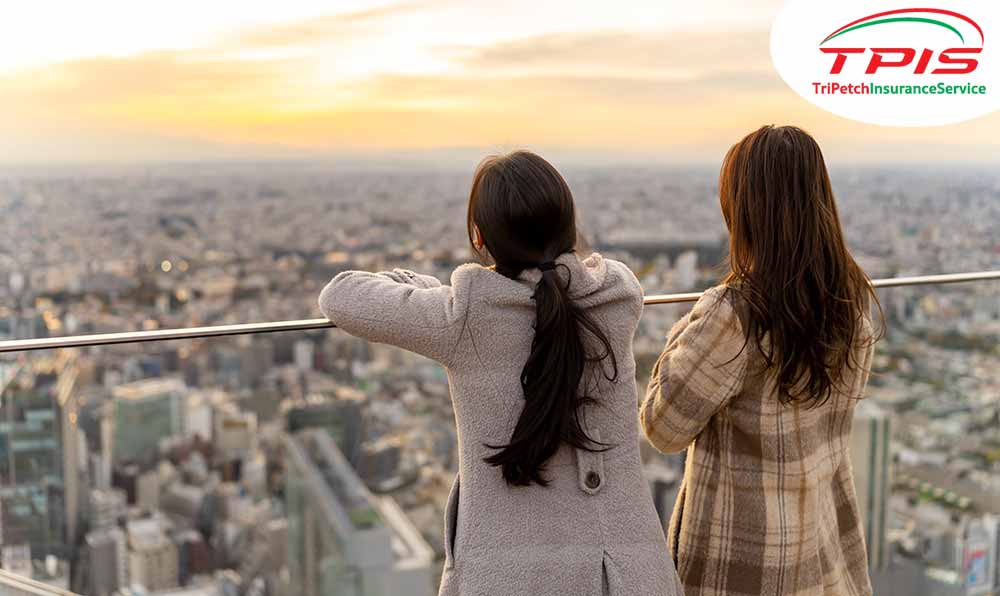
106, 559
235, 431
153, 561
341, 538
340, 416
871, 459
144, 413
40, 452
107, 507
73, 450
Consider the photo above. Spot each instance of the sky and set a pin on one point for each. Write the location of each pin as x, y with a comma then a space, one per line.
628, 80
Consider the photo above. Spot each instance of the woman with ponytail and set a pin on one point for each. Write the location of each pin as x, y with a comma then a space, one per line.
537, 342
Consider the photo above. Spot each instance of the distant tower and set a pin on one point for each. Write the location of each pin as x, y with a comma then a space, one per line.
305, 354
74, 472
686, 270
871, 459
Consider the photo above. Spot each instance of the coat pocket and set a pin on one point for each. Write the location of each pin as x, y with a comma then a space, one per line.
451, 524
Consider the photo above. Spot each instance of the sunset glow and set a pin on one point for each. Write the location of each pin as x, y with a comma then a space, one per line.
191, 80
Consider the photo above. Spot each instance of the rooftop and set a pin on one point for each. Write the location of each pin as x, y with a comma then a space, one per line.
146, 388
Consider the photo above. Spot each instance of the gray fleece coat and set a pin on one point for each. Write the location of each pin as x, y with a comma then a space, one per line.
594, 529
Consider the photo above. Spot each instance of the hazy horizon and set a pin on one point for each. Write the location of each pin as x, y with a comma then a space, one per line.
432, 161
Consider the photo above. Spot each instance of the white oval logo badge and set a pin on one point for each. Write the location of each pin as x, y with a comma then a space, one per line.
891, 63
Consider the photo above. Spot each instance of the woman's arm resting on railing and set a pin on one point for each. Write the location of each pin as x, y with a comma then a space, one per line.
405, 276
415, 314
700, 370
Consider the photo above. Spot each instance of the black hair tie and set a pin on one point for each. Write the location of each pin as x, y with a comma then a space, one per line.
547, 266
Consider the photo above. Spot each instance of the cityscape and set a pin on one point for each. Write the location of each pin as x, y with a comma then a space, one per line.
313, 463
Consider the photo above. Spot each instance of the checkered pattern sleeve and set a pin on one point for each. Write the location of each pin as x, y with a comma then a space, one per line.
700, 370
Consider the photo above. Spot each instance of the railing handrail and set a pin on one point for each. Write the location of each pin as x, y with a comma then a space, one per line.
29, 586
76, 341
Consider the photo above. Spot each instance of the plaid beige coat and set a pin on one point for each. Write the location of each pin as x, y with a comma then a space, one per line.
767, 505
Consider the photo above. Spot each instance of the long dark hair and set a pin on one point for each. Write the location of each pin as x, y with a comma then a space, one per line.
789, 262
523, 211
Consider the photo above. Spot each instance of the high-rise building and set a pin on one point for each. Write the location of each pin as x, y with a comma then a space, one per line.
253, 475
256, 358
106, 557
341, 538
340, 416
144, 413
41, 473
73, 451
183, 500
147, 490
304, 354
235, 431
107, 507
198, 414
871, 459
153, 561
686, 270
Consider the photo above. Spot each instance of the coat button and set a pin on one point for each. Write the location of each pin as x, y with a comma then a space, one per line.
593, 480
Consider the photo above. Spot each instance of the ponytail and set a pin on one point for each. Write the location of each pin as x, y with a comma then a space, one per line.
551, 380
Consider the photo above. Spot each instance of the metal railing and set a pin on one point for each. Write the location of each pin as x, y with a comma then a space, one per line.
24, 345
17, 585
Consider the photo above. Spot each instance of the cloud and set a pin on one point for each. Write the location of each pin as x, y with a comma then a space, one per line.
161, 93
320, 30
622, 69
652, 52
557, 91
684, 95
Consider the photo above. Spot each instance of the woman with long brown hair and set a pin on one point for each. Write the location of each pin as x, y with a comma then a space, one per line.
759, 383
537, 341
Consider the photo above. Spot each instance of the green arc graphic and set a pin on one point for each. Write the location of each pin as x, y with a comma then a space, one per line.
899, 20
